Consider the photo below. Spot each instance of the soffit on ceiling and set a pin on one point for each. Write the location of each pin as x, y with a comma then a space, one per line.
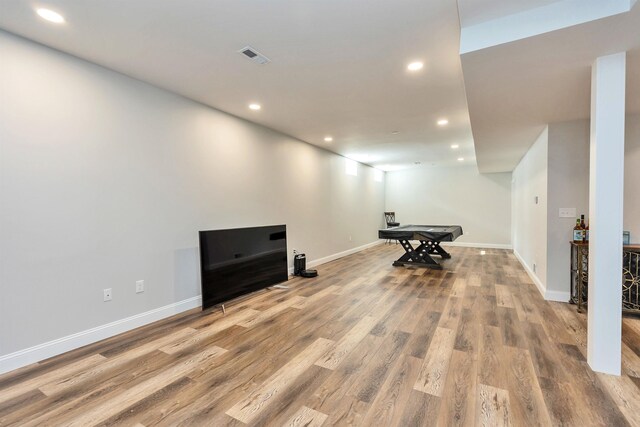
514, 89
474, 12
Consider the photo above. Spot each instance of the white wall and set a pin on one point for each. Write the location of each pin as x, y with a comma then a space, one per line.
632, 177
568, 168
529, 218
480, 203
105, 180
569, 187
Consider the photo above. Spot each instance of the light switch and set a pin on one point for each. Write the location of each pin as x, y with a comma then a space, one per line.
567, 212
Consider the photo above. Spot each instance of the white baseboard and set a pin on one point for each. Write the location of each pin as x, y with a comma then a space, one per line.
541, 287
548, 295
559, 296
52, 348
478, 245
338, 255
58, 346
342, 254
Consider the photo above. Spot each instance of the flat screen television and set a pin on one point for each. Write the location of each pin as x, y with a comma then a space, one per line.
238, 261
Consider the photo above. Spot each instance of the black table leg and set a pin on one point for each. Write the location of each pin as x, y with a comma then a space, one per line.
418, 256
435, 248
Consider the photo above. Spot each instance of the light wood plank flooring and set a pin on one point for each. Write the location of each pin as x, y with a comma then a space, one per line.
363, 344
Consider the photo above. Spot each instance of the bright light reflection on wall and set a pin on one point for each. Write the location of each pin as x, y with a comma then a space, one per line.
351, 167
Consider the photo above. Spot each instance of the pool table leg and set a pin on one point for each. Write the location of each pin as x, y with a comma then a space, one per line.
418, 257
436, 248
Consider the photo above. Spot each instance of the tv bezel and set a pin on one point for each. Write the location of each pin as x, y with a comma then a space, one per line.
233, 295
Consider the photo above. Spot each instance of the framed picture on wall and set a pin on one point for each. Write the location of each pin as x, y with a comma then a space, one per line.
626, 237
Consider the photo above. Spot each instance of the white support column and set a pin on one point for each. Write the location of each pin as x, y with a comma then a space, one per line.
604, 348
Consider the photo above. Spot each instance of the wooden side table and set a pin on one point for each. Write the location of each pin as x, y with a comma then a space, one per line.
630, 277
579, 273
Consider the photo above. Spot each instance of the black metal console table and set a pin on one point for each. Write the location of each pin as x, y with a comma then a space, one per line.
630, 277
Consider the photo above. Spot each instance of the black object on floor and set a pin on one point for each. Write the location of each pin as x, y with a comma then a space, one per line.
239, 261
309, 273
300, 267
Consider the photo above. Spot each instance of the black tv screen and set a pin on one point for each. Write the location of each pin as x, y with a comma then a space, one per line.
238, 261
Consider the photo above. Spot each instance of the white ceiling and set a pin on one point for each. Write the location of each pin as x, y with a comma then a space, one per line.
338, 67
474, 12
514, 89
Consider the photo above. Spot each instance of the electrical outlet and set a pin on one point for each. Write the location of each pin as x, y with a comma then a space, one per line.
107, 294
567, 213
139, 286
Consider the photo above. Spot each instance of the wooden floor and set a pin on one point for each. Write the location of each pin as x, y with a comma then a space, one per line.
364, 344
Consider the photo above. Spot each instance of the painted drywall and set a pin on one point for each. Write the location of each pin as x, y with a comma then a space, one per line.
529, 195
105, 180
632, 177
568, 179
481, 203
569, 187
567, 169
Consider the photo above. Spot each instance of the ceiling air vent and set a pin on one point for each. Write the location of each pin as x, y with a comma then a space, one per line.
254, 55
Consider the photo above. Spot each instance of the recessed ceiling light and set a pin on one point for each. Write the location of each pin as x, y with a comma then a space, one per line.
255, 107
443, 122
50, 15
461, 159
415, 66
454, 146
328, 138
395, 132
